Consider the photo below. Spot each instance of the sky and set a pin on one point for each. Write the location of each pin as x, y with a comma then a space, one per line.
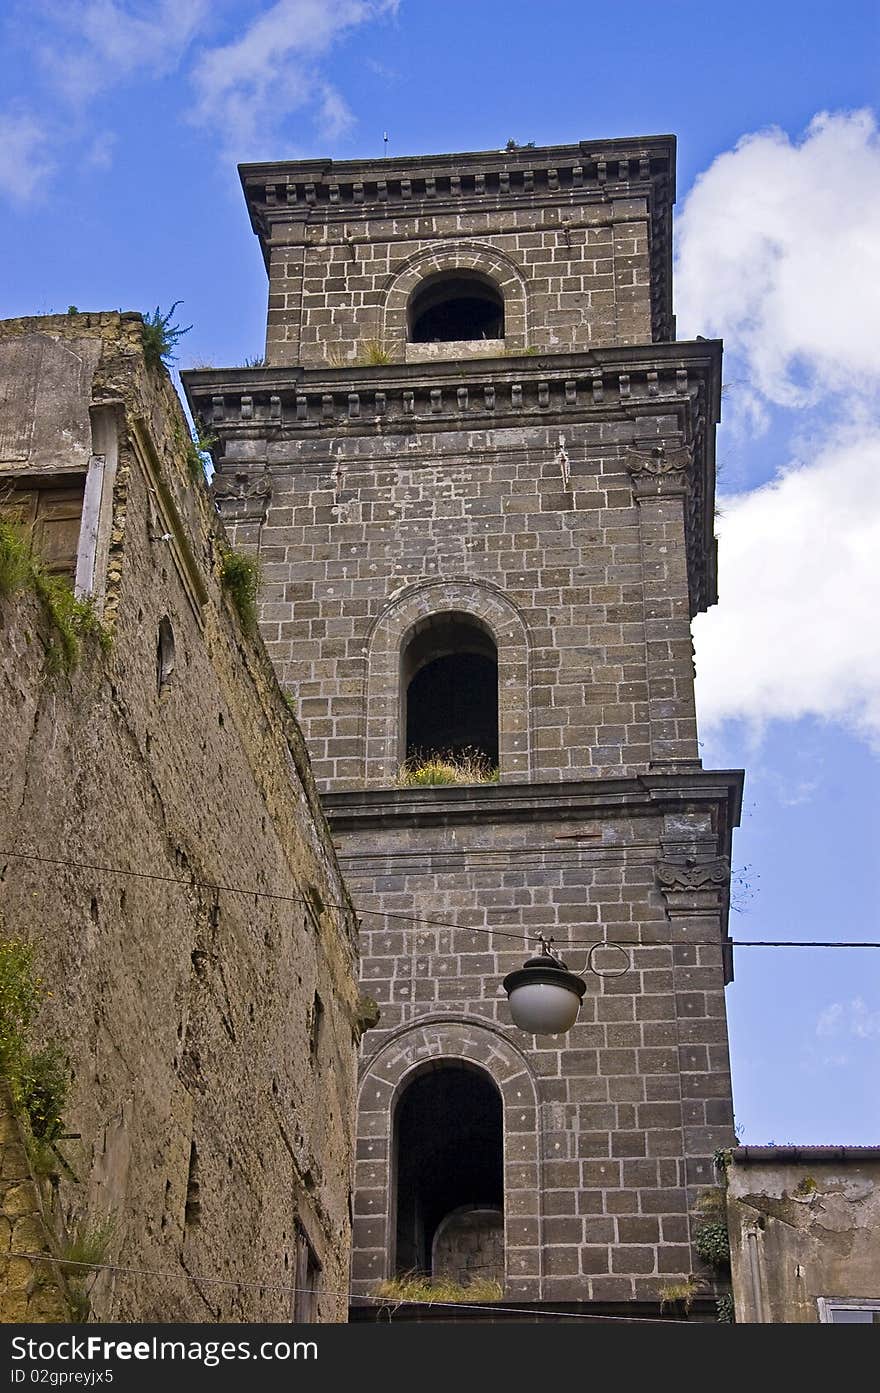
121, 123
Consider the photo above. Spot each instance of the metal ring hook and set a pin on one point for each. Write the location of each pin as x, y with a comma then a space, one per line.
607, 972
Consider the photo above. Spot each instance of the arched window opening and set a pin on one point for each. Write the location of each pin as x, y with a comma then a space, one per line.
449, 685
449, 1152
452, 307
164, 653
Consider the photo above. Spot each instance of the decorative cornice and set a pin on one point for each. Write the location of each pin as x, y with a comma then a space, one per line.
494, 175
562, 801
355, 399
292, 403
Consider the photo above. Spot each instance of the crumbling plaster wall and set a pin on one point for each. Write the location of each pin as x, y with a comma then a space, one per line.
214, 1104
800, 1231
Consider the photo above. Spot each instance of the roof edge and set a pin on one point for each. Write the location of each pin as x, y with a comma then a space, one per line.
760, 1155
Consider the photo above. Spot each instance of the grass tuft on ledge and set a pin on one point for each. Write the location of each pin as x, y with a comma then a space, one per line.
430, 1290
439, 768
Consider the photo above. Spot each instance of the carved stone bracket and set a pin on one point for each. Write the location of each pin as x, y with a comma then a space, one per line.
242, 495
689, 884
659, 468
691, 874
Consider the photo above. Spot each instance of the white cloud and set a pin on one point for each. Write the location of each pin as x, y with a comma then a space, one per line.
848, 1018
99, 154
796, 630
25, 161
246, 89
335, 117
779, 253
96, 44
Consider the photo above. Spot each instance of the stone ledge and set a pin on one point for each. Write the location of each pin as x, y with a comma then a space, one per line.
529, 802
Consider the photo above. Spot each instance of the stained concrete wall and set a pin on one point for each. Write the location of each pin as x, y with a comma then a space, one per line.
804, 1225
212, 1034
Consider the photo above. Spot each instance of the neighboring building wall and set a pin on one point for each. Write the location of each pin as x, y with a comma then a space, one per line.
804, 1227
212, 1034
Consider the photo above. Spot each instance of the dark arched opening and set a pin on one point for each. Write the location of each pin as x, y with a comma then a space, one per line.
450, 1175
452, 306
449, 682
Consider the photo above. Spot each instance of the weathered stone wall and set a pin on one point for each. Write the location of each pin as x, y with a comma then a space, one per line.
212, 1033
30, 1290
804, 1225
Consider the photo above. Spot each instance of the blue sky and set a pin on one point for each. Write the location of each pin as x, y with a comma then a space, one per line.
120, 126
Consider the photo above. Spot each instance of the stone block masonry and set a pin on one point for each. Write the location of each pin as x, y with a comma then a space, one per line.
212, 1035
609, 1130
563, 504
477, 448
576, 236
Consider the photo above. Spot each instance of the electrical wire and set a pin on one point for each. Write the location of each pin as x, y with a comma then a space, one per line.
290, 1290
218, 887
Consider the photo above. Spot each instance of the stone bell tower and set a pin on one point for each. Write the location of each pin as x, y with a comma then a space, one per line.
479, 472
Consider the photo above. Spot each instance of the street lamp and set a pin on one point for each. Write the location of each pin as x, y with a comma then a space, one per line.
544, 996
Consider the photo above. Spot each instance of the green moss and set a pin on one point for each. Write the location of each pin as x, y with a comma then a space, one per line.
712, 1243
806, 1187
241, 578
15, 558
711, 1203
70, 620
39, 1079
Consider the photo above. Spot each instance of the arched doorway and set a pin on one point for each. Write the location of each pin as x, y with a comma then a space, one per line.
449, 1175
456, 306
449, 689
